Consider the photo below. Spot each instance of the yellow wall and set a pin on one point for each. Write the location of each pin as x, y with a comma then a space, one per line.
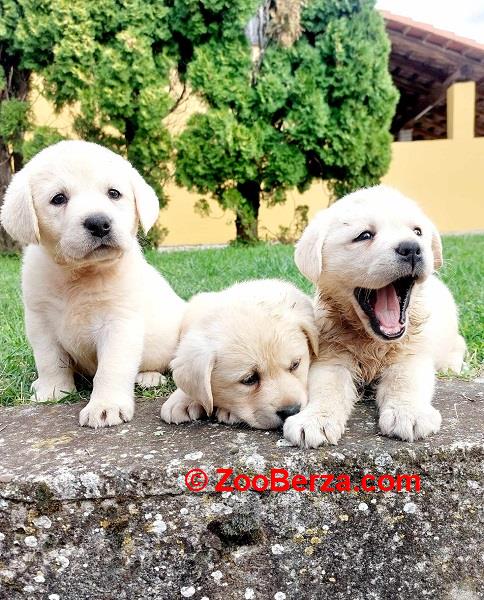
44, 113
445, 176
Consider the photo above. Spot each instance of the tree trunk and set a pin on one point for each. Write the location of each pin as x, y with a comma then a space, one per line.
246, 220
6, 242
15, 85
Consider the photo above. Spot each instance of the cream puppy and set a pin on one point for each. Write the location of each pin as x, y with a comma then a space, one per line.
383, 316
92, 303
244, 351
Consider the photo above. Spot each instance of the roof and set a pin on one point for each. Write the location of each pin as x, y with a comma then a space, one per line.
424, 62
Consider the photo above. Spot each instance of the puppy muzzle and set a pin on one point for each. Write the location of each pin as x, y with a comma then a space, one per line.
288, 411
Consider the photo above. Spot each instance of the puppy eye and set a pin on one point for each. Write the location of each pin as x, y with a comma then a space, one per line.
114, 194
294, 365
252, 379
365, 235
417, 231
59, 199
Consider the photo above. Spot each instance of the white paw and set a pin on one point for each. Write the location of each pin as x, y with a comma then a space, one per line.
310, 430
180, 408
455, 364
225, 416
409, 423
105, 413
44, 390
149, 379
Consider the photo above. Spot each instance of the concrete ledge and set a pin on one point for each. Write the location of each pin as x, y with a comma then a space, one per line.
106, 514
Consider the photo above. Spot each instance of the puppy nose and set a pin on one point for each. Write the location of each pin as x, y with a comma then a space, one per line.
409, 251
288, 411
99, 225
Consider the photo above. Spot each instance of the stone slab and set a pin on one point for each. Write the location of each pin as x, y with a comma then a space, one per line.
106, 514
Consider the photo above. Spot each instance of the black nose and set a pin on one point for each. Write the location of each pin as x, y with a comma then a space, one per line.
409, 251
284, 413
99, 225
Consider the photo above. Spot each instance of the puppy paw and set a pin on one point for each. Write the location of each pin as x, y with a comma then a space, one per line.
106, 413
225, 416
309, 430
409, 423
180, 408
45, 390
150, 379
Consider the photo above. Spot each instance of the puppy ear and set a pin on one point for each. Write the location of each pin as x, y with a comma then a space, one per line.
311, 332
436, 248
192, 368
306, 321
18, 215
308, 254
147, 205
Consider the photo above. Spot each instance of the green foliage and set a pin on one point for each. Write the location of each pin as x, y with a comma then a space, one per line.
216, 151
28, 34
42, 137
113, 59
320, 108
14, 120
23, 50
196, 22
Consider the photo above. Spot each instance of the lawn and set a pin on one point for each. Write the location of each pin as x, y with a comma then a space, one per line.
190, 272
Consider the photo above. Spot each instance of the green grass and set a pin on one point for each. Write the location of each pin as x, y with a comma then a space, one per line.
190, 272
463, 272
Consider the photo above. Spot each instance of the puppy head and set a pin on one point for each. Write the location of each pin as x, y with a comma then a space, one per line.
367, 251
81, 201
249, 358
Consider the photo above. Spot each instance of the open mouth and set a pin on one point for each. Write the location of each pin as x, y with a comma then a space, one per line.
386, 308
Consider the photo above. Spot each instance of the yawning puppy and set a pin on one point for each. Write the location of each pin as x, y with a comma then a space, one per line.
92, 303
244, 351
383, 316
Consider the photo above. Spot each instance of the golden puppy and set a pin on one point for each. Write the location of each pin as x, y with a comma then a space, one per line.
383, 316
246, 352
92, 302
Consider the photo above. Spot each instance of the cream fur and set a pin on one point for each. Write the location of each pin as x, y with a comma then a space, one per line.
102, 311
351, 353
261, 326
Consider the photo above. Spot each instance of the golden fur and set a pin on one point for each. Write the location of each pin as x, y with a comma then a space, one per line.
92, 303
352, 354
262, 327
341, 333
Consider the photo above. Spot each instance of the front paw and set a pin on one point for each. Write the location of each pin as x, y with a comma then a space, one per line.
45, 390
150, 379
101, 412
409, 423
180, 408
310, 430
225, 416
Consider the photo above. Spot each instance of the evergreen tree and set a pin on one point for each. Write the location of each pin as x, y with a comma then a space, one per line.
315, 101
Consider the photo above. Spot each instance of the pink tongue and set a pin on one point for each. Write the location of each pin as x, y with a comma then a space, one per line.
387, 309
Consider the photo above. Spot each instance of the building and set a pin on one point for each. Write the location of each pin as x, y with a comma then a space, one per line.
439, 124
424, 64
